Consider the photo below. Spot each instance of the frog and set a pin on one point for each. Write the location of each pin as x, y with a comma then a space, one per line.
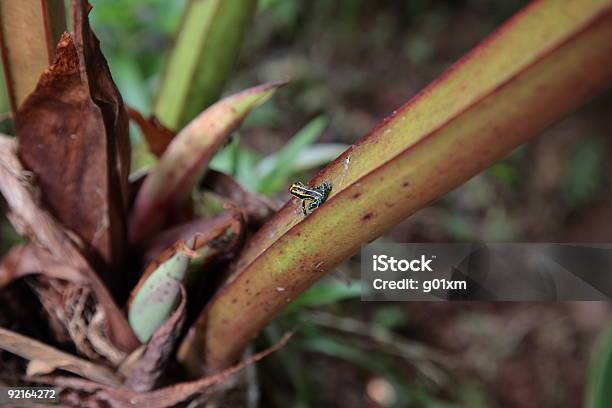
312, 197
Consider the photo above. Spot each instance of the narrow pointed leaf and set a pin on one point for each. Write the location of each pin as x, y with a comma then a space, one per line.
206, 47
185, 160
310, 158
539, 66
273, 180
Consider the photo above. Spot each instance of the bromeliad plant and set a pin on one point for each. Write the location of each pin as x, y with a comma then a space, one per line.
226, 273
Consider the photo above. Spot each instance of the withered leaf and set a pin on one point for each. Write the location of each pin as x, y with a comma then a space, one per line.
256, 207
163, 397
47, 358
28, 259
73, 135
146, 370
30, 220
205, 232
158, 136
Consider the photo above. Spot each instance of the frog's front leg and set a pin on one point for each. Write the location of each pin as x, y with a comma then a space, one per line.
313, 206
304, 207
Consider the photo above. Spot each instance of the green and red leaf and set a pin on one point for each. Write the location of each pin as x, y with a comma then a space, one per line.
186, 159
542, 64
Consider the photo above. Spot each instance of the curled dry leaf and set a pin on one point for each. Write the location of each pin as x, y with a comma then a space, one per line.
145, 371
221, 233
45, 359
256, 207
158, 136
73, 135
180, 168
120, 397
28, 259
30, 220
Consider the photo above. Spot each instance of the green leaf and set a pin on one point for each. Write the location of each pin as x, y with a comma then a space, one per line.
390, 317
599, 386
310, 158
157, 297
274, 178
317, 155
584, 174
328, 292
338, 349
505, 172
206, 47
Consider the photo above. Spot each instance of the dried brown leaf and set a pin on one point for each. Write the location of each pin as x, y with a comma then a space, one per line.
28, 259
257, 207
163, 397
205, 232
73, 135
158, 136
47, 359
30, 220
104, 93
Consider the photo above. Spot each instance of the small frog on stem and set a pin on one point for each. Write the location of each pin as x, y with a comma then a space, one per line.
312, 197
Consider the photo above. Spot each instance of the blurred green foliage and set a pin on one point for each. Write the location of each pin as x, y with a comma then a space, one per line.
8, 236
584, 172
135, 36
272, 173
327, 292
281, 166
599, 384
391, 317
